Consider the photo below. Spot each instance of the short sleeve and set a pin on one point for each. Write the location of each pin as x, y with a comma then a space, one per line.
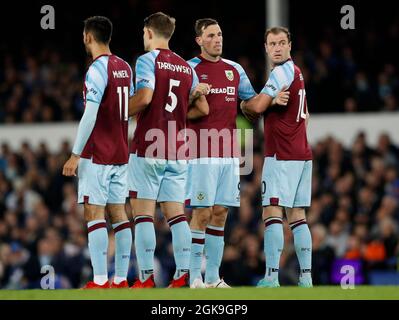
281, 76
131, 89
245, 89
96, 81
195, 80
145, 71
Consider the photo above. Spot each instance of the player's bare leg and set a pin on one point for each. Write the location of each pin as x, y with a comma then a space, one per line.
273, 244
201, 217
98, 245
303, 244
123, 243
145, 241
214, 247
181, 240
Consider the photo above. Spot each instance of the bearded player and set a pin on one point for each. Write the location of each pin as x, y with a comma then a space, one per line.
213, 175
101, 151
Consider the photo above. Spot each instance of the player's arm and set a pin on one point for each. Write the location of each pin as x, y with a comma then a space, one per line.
198, 105
96, 82
246, 93
263, 101
145, 84
86, 126
307, 119
274, 92
198, 109
140, 100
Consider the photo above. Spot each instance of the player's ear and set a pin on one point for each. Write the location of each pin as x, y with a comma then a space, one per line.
150, 34
266, 47
89, 38
198, 40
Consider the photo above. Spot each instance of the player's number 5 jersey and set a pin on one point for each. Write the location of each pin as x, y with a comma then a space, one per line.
171, 79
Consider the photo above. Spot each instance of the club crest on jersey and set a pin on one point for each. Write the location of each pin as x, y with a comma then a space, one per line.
229, 74
204, 76
200, 196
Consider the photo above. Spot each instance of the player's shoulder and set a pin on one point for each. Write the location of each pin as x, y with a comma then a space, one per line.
194, 62
179, 59
99, 63
99, 67
149, 56
120, 62
285, 71
287, 66
234, 64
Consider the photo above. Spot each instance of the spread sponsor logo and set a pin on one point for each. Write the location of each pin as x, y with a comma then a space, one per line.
228, 90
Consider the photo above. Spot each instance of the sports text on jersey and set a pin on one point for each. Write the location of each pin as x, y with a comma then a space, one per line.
174, 67
120, 74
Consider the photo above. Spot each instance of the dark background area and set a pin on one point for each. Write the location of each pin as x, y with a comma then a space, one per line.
354, 217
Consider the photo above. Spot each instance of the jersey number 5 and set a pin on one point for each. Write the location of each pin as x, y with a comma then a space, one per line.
123, 102
172, 106
301, 111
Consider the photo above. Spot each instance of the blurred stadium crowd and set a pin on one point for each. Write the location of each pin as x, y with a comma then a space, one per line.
354, 216
41, 84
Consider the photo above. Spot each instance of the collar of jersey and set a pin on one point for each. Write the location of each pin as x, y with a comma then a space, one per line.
206, 60
102, 55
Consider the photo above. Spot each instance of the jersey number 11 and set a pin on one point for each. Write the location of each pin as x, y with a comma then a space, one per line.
123, 102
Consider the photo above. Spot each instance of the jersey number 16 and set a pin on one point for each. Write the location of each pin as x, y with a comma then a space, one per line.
301, 111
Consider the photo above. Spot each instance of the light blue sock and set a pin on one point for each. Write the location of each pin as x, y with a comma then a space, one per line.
98, 246
197, 250
181, 240
144, 239
214, 246
273, 246
303, 245
123, 247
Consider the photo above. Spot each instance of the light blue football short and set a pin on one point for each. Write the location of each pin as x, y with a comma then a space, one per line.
101, 184
157, 179
213, 181
286, 183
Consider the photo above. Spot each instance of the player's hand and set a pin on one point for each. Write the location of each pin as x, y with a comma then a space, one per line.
202, 89
70, 166
282, 97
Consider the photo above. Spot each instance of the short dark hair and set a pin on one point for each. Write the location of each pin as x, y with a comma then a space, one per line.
277, 30
100, 27
162, 24
202, 24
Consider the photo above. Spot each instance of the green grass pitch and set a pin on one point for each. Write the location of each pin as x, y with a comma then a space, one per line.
240, 293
